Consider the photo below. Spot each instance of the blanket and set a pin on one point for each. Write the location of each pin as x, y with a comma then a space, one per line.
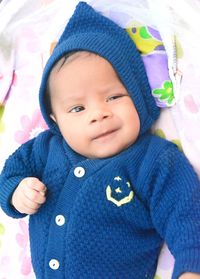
167, 38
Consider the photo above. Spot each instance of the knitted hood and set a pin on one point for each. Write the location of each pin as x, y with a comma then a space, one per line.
89, 30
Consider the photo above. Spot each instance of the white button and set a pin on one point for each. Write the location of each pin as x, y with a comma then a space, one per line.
60, 220
79, 172
54, 264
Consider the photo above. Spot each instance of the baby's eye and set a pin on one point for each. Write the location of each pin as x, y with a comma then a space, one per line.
77, 109
114, 97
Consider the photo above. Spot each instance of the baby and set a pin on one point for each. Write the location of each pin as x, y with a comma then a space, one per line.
103, 194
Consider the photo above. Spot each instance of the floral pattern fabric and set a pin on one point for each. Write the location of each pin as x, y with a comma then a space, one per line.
28, 32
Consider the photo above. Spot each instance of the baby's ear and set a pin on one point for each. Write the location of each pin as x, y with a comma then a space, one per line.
53, 117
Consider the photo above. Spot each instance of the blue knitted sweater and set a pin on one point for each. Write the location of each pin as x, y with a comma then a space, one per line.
108, 218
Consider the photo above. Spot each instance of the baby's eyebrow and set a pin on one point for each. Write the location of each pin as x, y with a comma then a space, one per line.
73, 99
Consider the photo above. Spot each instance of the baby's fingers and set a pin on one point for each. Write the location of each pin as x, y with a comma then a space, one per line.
35, 196
36, 184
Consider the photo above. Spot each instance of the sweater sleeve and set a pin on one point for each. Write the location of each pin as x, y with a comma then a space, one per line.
27, 161
175, 209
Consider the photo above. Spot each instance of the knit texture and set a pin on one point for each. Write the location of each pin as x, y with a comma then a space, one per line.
117, 214
90, 31
107, 218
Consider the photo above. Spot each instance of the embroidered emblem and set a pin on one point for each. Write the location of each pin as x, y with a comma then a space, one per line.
117, 178
119, 193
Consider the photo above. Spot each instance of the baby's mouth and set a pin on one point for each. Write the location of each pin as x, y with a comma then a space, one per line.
105, 134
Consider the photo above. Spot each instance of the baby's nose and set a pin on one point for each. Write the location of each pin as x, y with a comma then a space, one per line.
100, 114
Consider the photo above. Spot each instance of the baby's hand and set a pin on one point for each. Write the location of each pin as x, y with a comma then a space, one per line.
29, 195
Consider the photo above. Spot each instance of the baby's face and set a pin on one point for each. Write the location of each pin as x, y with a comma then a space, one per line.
92, 108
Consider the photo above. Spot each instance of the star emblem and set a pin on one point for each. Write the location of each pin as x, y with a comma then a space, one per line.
118, 190
118, 178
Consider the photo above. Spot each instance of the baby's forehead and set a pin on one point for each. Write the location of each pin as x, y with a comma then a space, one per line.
70, 57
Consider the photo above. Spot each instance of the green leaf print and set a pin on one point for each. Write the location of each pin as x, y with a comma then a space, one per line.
2, 231
160, 133
2, 126
144, 33
1, 110
165, 93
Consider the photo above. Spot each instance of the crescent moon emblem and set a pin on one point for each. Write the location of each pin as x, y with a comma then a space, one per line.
126, 199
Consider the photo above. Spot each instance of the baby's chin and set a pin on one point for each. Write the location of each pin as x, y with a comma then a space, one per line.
104, 153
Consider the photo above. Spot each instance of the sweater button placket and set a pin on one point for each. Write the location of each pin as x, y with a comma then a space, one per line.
59, 228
